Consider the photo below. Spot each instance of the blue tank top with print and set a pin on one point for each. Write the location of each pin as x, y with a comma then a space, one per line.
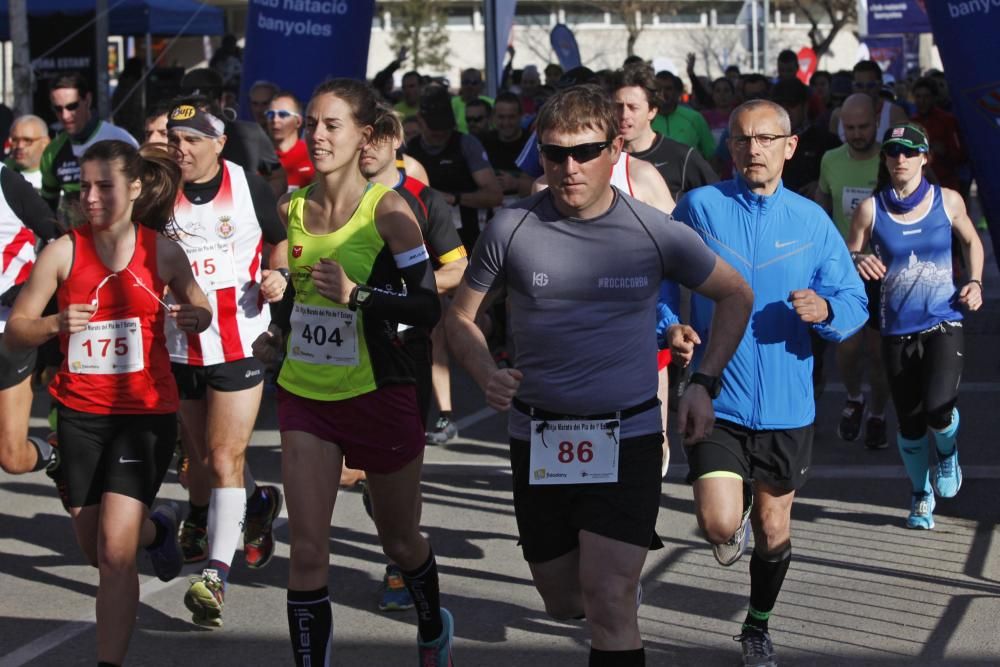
918, 290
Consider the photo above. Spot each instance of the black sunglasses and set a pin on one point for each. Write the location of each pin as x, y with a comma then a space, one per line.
72, 106
895, 150
581, 152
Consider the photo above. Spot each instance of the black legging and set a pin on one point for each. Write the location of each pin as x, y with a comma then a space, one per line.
924, 370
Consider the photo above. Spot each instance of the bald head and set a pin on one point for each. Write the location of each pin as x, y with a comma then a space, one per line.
858, 118
29, 135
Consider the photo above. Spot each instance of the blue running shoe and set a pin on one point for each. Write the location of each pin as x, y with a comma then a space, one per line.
438, 652
395, 596
167, 559
921, 511
948, 476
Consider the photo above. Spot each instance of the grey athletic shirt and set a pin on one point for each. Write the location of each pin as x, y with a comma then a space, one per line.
582, 297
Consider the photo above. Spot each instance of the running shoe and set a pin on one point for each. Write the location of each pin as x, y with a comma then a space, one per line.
444, 432
948, 476
875, 435
394, 596
167, 558
758, 651
438, 652
849, 427
194, 541
258, 538
204, 599
921, 511
731, 551
56, 473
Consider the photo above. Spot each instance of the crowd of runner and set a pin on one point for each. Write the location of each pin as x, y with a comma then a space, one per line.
353, 247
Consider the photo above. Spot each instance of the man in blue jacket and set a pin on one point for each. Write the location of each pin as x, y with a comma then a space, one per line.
758, 454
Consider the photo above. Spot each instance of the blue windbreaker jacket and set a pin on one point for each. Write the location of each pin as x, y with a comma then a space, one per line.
779, 243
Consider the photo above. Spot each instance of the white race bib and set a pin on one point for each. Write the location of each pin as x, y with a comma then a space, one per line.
323, 336
851, 198
574, 452
213, 266
111, 347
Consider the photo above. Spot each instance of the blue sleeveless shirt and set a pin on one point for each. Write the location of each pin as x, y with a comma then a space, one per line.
918, 290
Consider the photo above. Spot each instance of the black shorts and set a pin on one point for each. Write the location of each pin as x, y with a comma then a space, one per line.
417, 343
873, 290
780, 458
550, 517
194, 381
15, 365
126, 454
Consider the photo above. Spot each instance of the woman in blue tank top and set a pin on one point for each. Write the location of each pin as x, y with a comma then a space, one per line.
910, 224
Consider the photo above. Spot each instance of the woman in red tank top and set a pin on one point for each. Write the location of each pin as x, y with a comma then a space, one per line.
115, 394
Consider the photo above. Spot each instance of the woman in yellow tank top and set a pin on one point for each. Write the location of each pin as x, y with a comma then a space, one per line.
346, 388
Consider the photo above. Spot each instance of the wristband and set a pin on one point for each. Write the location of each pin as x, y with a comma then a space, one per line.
978, 282
284, 273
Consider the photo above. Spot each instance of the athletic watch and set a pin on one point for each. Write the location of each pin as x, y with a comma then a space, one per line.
711, 383
360, 297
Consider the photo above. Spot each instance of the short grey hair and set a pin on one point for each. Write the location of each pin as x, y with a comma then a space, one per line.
30, 118
753, 105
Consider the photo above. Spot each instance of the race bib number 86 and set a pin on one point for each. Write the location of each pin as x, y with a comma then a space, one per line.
574, 452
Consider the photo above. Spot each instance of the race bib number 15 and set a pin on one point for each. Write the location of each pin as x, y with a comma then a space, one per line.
111, 347
574, 452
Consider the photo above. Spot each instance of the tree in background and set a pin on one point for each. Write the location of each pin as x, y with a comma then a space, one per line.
630, 11
836, 14
419, 27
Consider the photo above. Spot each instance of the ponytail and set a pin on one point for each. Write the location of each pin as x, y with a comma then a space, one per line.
158, 172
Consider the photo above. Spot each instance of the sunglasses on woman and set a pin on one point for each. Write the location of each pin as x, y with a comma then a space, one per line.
895, 150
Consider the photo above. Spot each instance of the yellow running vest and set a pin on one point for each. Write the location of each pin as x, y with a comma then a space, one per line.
326, 352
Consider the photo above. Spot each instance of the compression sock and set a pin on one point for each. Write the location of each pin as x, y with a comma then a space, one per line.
944, 439
632, 658
310, 626
44, 452
767, 574
225, 523
423, 586
914, 454
198, 514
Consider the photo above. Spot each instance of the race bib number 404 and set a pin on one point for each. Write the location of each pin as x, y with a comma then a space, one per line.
574, 452
112, 347
323, 336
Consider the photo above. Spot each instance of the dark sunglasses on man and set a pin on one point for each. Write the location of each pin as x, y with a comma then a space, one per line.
895, 150
72, 106
581, 152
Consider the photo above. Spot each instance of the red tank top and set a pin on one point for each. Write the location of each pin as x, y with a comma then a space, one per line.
119, 365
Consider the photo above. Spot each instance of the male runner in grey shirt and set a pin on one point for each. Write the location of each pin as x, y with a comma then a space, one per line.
582, 264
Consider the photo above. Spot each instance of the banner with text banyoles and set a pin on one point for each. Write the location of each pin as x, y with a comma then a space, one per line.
297, 44
965, 34
894, 17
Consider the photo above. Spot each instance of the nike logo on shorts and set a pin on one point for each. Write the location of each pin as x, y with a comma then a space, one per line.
122, 459
21, 370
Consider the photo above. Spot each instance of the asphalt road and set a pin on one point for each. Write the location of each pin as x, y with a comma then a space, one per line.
862, 590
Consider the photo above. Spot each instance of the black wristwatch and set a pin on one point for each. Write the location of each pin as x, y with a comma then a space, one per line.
284, 273
711, 383
360, 297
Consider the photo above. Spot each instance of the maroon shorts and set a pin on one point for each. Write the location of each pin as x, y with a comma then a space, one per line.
379, 432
